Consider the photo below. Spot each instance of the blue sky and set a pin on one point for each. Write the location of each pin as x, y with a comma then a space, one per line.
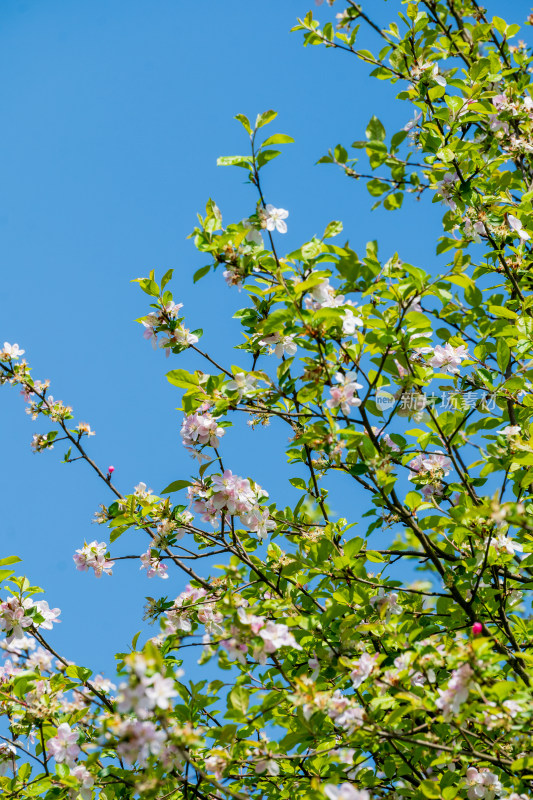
113, 115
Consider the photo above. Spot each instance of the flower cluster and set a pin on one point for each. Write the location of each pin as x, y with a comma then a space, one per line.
230, 495
273, 636
151, 562
452, 698
429, 470
192, 602
166, 321
10, 352
280, 345
16, 615
448, 358
64, 745
483, 784
93, 556
344, 395
144, 693
201, 428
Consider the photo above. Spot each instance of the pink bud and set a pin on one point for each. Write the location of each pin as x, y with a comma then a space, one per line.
110, 470
477, 628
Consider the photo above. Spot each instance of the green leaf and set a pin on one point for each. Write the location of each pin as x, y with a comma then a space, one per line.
430, 789
265, 118
353, 547
176, 486
473, 295
278, 138
200, 273
264, 156
245, 122
182, 378
525, 763
298, 483
340, 154
397, 139
4, 562
375, 130
502, 353
333, 229
166, 278
502, 311
238, 699
235, 161
445, 154
81, 673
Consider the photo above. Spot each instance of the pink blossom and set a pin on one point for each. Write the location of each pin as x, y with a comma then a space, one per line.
141, 491
180, 337
216, 764
177, 617
412, 122
13, 617
496, 124
211, 618
201, 429
259, 521
402, 372
253, 620
500, 101
93, 556
437, 77
516, 226
8, 752
276, 635
268, 765
160, 691
386, 439
323, 295
50, 614
362, 669
82, 774
139, 740
350, 719
244, 384
280, 345
386, 603
253, 236
232, 493
482, 783
504, 544
153, 565
510, 431
346, 791
444, 189
432, 490
452, 698
236, 650
475, 230
448, 358
63, 746
433, 466
345, 394
103, 684
314, 665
